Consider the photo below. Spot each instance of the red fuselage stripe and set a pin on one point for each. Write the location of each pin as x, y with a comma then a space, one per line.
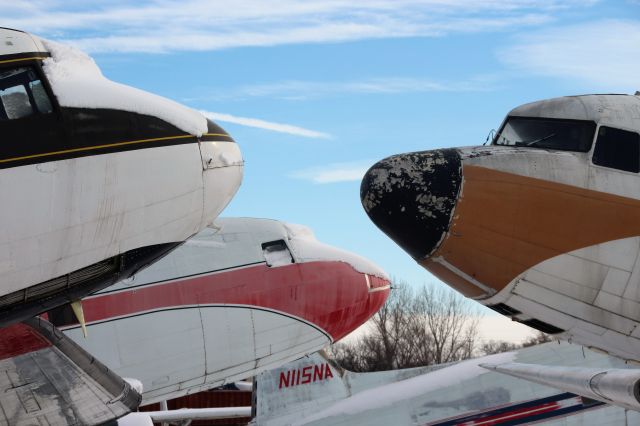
515, 415
331, 295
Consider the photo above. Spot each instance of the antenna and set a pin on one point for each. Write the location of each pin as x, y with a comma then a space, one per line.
491, 133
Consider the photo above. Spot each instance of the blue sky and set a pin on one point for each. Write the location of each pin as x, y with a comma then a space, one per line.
316, 91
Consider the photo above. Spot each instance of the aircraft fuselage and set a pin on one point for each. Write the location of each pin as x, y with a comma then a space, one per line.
95, 182
543, 225
226, 305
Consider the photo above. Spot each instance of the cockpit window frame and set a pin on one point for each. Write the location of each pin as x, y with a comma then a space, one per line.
558, 119
36, 66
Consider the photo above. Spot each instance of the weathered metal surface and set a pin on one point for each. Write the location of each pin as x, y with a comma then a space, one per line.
57, 383
411, 197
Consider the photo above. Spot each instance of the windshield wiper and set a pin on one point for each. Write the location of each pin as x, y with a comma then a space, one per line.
535, 141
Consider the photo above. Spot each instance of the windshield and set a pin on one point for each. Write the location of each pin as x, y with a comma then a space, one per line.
548, 133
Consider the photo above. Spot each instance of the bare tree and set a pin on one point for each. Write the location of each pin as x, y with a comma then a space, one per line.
424, 327
412, 329
385, 346
449, 322
538, 339
497, 346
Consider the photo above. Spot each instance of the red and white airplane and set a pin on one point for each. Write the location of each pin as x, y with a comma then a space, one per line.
97, 180
239, 298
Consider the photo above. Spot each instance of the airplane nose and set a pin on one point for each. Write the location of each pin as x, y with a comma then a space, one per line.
221, 175
344, 289
411, 197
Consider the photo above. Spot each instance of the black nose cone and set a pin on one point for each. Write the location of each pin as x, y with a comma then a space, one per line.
411, 197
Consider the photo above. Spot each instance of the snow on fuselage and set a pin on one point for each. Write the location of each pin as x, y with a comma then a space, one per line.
543, 225
227, 304
98, 178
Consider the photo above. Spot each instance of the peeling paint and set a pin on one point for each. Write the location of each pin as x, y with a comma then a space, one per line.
411, 197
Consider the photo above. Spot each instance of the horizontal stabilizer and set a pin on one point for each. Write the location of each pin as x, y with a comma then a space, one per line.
244, 386
48, 379
199, 414
612, 386
147, 418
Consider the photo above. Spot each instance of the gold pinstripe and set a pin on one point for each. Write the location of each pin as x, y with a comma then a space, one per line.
217, 134
23, 59
89, 148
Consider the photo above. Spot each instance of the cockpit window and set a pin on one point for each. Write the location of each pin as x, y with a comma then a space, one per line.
40, 96
617, 149
22, 94
547, 133
276, 253
15, 101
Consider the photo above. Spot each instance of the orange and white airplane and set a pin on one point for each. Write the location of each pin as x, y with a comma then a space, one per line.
542, 225
97, 180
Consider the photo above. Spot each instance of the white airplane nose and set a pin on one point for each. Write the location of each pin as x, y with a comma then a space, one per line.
222, 167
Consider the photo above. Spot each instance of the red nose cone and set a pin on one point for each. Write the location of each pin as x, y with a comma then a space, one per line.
362, 295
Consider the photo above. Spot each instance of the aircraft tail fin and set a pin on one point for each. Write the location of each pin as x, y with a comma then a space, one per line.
298, 387
313, 383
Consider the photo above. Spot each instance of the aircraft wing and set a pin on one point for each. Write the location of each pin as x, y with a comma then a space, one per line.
46, 378
614, 386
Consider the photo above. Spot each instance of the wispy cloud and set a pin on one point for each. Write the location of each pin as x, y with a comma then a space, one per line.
335, 172
161, 26
603, 53
266, 125
296, 89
